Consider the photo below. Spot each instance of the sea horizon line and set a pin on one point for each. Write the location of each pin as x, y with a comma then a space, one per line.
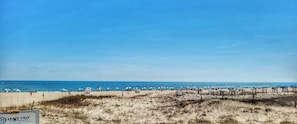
155, 81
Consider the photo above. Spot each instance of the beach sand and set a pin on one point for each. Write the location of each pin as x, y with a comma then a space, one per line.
23, 98
156, 107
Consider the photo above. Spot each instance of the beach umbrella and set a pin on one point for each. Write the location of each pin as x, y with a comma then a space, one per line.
80, 89
88, 90
128, 88
99, 89
17, 90
63, 90
7, 89
137, 90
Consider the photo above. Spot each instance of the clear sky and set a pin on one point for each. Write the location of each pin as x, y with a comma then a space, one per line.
148, 40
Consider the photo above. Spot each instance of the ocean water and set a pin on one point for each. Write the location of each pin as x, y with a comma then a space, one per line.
25, 86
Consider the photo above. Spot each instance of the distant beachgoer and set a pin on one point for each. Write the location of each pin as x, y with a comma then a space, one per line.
43, 95
122, 93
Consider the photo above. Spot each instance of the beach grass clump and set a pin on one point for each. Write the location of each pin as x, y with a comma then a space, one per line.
15, 108
279, 101
199, 121
228, 120
79, 115
287, 122
73, 101
109, 111
117, 121
268, 109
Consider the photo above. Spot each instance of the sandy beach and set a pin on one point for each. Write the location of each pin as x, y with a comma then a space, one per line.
207, 107
23, 98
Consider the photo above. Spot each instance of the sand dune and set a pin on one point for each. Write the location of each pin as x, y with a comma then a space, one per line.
165, 107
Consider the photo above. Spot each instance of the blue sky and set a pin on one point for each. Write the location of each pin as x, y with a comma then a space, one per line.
149, 40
